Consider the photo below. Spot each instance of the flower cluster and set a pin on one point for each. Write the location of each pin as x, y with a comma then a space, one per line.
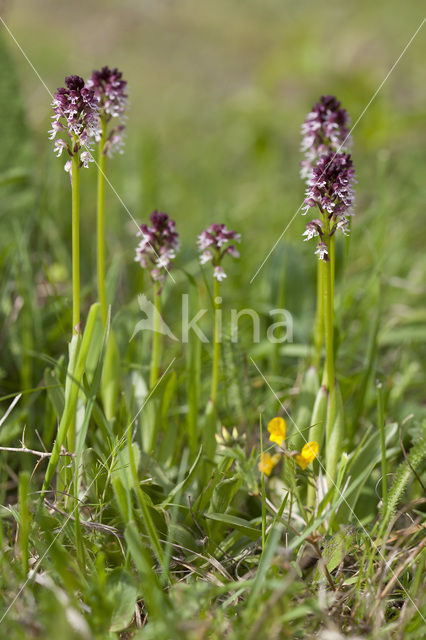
325, 129
214, 243
110, 91
331, 191
158, 246
277, 429
76, 115
109, 88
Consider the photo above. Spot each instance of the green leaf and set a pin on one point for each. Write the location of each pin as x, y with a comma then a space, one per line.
55, 391
237, 523
309, 389
223, 493
335, 550
72, 386
154, 597
182, 486
122, 467
110, 382
123, 594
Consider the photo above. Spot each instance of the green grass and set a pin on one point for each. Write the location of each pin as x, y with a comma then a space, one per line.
153, 538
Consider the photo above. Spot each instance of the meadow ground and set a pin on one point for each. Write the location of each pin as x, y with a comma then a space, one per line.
152, 528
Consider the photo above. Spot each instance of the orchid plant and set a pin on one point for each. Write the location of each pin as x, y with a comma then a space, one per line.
214, 243
76, 121
325, 130
109, 90
155, 253
330, 179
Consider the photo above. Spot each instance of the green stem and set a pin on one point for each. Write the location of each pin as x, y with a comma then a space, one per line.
329, 317
209, 432
210, 426
101, 224
75, 186
319, 322
216, 343
156, 345
332, 256
324, 277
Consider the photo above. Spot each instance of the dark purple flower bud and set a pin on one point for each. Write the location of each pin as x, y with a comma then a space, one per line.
158, 246
325, 129
110, 91
214, 244
74, 83
75, 116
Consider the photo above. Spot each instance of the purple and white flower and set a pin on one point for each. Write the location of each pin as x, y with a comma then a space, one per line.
331, 186
85, 158
313, 229
75, 116
110, 91
219, 273
325, 129
214, 243
322, 251
331, 191
158, 246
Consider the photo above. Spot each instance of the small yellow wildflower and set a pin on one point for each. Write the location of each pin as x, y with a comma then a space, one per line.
268, 462
307, 455
277, 430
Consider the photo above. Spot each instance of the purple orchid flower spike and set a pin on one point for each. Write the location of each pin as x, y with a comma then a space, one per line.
214, 243
331, 191
110, 92
158, 246
325, 129
76, 117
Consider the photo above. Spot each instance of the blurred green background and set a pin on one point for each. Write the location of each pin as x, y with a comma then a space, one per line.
218, 93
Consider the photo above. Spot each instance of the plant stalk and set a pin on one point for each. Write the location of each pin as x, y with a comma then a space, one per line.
101, 223
156, 345
209, 442
328, 268
332, 256
216, 341
75, 189
319, 321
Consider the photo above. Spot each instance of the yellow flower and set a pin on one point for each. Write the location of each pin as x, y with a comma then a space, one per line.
308, 453
277, 428
268, 462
